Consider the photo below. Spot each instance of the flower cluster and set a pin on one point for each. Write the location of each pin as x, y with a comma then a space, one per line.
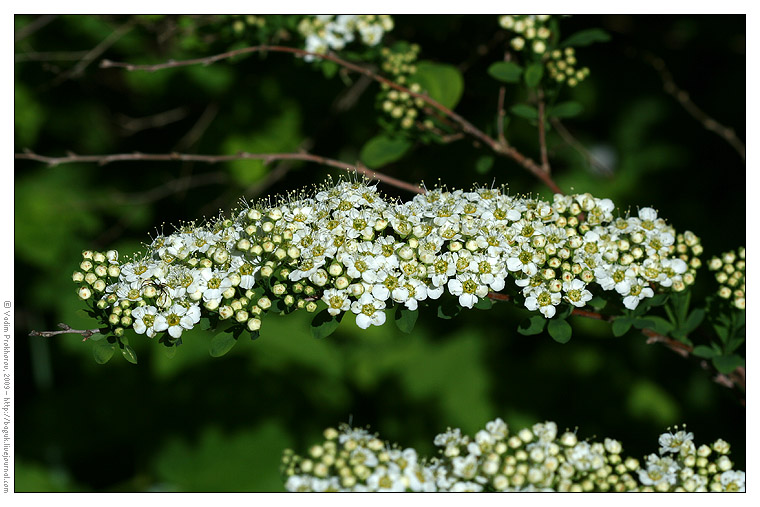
399, 63
533, 459
682, 466
561, 65
347, 248
532, 31
329, 32
729, 272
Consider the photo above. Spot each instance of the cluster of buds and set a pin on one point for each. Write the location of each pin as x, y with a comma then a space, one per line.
682, 466
532, 31
561, 65
327, 32
346, 247
242, 23
399, 106
729, 272
533, 459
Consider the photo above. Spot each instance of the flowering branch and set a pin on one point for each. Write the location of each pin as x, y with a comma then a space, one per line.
466, 126
215, 159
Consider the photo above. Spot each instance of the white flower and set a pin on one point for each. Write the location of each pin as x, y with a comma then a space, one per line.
144, 319
369, 311
468, 289
544, 302
337, 301
176, 319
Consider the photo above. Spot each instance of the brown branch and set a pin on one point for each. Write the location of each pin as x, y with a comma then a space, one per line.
33, 26
134, 125
66, 329
573, 142
215, 159
709, 123
465, 125
734, 379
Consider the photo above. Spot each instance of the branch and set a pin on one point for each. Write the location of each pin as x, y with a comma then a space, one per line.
542, 132
66, 329
215, 159
465, 125
736, 378
572, 141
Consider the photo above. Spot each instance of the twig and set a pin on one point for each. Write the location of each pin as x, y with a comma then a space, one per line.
134, 125
542, 132
199, 128
573, 142
33, 26
215, 159
49, 56
709, 123
66, 329
465, 125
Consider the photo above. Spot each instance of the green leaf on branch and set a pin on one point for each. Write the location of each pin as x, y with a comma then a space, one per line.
658, 324
382, 150
597, 302
560, 330
507, 72
442, 82
566, 110
323, 324
621, 325
221, 343
705, 351
448, 309
586, 38
405, 318
693, 321
102, 351
532, 325
533, 74
525, 111
727, 364
129, 354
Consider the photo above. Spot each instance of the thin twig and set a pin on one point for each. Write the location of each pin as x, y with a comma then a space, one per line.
465, 125
66, 329
215, 159
134, 125
708, 122
49, 56
542, 132
33, 26
573, 142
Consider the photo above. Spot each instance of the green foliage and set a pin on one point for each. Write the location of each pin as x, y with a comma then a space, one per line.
443, 82
559, 330
533, 74
383, 149
323, 324
405, 318
586, 38
568, 109
507, 72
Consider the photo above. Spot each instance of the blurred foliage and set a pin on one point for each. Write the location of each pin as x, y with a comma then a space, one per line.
193, 423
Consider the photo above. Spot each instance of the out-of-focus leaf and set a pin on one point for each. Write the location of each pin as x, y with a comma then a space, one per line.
383, 149
443, 82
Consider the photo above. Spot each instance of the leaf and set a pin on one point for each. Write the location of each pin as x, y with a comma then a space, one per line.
693, 321
621, 325
532, 325
442, 82
484, 304
507, 72
658, 324
382, 150
586, 37
727, 364
704, 351
170, 352
533, 74
560, 330
129, 354
102, 351
323, 324
566, 110
680, 304
221, 343
483, 164
405, 318
597, 302
448, 309
525, 111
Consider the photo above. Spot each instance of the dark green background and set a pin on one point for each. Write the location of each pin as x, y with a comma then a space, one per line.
200, 424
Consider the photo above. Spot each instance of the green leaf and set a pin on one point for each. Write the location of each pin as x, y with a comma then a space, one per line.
560, 330
405, 318
507, 72
483, 164
129, 354
442, 82
566, 110
727, 364
525, 111
484, 304
448, 309
704, 351
680, 304
586, 37
597, 303
221, 343
693, 321
658, 324
532, 325
533, 74
382, 150
621, 325
170, 352
323, 324
102, 351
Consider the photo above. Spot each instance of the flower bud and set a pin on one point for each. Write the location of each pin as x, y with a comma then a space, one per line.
225, 312
84, 293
